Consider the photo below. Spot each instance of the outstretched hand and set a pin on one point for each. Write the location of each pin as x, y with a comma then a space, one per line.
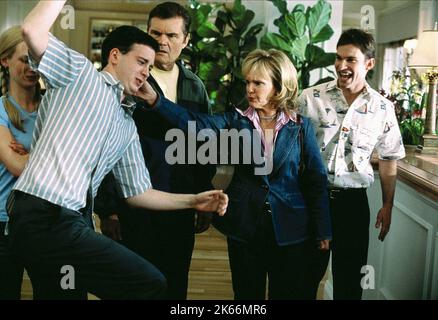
211, 201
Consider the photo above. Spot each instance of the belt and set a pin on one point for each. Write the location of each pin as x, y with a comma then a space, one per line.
335, 193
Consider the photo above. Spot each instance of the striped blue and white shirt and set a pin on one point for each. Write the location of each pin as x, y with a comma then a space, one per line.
82, 126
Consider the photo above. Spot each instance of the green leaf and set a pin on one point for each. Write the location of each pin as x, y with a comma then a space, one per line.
205, 10
232, 44
199, 16
273, 40
319, 16
238, 10
243, 22
212, 49
323, 35
221, 21
249, 45
281, 6
298, 47
296, 23
299, 7
254, 30
208, 30
209, 71
318, 58
284, 29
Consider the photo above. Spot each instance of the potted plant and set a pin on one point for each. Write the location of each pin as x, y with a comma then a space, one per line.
299, 33
221, 39
409, 100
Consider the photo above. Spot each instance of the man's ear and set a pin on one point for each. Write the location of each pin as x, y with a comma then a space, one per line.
370, 63
114, 56
186, 40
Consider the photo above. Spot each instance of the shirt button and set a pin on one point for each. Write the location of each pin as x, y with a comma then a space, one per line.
264, 186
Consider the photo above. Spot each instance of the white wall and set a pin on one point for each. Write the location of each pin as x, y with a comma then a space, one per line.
398, 22
14, 12
428, 15
406, 262
78, 38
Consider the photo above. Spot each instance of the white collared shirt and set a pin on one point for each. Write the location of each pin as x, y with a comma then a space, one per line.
347, 135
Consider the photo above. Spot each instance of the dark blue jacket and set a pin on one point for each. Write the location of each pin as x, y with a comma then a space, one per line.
300, 207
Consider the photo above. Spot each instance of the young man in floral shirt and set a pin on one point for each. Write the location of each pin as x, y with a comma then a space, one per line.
351, 120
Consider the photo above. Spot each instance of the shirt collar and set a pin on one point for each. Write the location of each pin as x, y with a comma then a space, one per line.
110, 79
112, 82
283, 117
128, 103
333, 85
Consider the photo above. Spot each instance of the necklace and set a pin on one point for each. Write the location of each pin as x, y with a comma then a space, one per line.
268, 117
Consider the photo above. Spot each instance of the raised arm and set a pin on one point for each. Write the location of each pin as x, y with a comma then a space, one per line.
37, 24
14, 162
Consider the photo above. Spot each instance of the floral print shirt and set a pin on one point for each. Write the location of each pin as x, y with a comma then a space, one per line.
347, 135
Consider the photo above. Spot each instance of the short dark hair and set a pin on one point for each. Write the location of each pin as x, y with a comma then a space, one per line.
167, 10
360, 39
123, 38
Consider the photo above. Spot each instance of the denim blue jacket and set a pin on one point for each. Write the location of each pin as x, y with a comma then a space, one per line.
299, 205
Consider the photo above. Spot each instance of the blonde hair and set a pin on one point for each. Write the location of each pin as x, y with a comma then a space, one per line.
278, 66
9, 40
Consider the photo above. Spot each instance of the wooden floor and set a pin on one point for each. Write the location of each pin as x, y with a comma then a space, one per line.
209, 277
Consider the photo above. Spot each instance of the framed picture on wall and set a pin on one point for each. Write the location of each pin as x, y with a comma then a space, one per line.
99, 29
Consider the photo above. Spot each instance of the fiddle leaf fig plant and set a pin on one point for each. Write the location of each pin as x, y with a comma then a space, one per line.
298, 33
217, 49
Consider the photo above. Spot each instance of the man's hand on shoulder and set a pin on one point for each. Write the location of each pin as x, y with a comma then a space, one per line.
147, 94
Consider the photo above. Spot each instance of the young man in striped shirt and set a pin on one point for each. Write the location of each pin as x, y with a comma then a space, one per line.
84, 129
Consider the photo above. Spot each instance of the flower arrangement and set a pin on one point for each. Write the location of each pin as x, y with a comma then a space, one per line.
409, 99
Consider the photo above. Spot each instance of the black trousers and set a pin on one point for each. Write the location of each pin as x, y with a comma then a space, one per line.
48, 238
11, 271
251, 262
166, 239
350, 216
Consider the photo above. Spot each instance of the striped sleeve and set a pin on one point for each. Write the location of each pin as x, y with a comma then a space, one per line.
131, 172
59, 65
